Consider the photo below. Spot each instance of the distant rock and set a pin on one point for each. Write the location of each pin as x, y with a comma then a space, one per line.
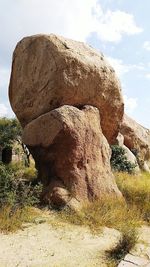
137, 139
72, 155
49, 71
129, 155
131, 158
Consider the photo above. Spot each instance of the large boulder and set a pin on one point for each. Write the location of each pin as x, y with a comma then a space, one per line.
72, 155
49, 71
137, 139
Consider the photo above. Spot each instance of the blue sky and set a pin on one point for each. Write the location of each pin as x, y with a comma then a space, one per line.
118, 28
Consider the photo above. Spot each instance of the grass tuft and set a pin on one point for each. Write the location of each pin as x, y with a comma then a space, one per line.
108, 212
12, 221
136, 191
125, 216
112, 213
127, 241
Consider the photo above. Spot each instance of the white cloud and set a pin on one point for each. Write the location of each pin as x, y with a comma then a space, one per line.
130, 104
4, 77
146, 45
112, 25
3, 110
147, 75
74, 19
122, 68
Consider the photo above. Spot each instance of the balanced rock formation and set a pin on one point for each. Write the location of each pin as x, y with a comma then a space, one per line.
68, 99
71, 154
137, 139
49, 71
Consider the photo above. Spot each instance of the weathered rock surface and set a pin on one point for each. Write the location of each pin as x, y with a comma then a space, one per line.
137, 138
71, 154
49, 71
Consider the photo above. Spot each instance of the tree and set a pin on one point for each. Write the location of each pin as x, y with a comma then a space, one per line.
119, 161
10, 131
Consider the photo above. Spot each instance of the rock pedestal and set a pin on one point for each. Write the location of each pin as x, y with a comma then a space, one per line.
72, 155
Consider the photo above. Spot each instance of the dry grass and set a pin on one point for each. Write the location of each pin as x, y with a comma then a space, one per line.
12, 221
128, 239
109, 212
114, 213
136, 190
125, 216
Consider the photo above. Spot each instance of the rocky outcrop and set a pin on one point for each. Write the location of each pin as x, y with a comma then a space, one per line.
68, 100
49, 71
137, 139
129, 155
72, 155
131, 158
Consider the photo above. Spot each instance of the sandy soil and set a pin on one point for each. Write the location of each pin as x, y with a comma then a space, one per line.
50, 245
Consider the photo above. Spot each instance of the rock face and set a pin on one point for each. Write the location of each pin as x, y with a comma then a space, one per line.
71, 154
49, 71
137, 139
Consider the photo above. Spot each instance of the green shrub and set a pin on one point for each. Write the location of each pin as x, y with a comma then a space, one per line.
10, 130
16, 192
119, 160
17, 196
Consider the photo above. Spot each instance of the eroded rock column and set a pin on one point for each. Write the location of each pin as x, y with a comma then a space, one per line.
72, 155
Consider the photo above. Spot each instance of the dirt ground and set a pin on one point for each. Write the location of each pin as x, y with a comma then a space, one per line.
48, 244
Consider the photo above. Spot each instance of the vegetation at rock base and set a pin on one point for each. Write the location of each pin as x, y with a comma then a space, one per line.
119, 160
125, 216
16, 196
136, 191
108, 212
12, 221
